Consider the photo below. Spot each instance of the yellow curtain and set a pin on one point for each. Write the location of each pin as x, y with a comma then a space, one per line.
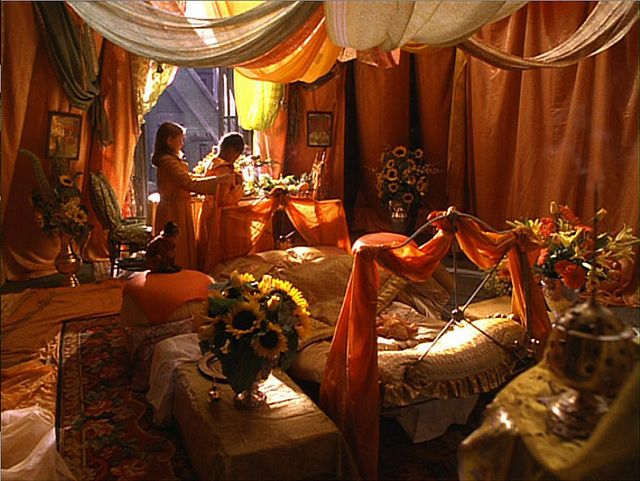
257, 102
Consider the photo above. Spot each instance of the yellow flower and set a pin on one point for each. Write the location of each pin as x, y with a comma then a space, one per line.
407, 198
66, 181
243, 318
303, 323
238, 280
392, 175
418, 153
391, 164
422, 185
393, 187
269, 285
400, 151
408, 177
271, 343
411, 165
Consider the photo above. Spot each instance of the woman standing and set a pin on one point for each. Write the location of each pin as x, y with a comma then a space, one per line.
175, 184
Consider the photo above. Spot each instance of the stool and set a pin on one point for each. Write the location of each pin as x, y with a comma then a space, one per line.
156, 307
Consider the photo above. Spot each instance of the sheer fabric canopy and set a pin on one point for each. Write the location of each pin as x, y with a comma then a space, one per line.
149, 31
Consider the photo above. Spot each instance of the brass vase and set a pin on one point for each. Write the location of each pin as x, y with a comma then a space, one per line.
253, 397
67, 262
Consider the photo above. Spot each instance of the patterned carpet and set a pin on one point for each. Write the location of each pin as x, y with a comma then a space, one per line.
105, 430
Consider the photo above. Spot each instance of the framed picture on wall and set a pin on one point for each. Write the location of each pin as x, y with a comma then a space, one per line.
319, 128
63, 138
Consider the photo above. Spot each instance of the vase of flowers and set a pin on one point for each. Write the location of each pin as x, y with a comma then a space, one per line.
570, 256
253, 327
59, 211
402, 182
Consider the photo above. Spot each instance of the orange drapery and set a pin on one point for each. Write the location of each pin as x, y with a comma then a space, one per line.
349, 391
246, 228
328, 97
551, 134
31, 90
382, 110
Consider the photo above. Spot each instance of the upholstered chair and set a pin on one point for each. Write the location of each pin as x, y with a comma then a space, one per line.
131, 233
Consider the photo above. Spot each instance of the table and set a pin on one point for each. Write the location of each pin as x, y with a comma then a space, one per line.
289, 438
514, 441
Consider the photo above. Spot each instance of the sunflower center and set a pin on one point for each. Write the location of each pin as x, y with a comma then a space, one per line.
243, 320
269, 340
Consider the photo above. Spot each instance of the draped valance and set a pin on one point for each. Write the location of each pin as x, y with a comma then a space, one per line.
152, 32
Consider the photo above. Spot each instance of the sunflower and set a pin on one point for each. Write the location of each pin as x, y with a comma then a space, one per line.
400, 151
393, 187
270, 285
238, 280
391, 164
422, 185
407, 198
66, 181
270, 343
392, 175
418, 153
243, 318
408, 177
303, 323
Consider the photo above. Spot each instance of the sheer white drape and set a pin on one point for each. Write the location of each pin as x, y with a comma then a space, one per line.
173, 38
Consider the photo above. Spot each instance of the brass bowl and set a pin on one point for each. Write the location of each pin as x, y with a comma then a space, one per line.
590, 350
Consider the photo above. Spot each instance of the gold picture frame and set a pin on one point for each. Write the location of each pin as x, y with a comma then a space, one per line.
63, 136
319, 129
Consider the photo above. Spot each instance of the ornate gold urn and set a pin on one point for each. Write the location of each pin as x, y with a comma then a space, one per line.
67, 262
592, 352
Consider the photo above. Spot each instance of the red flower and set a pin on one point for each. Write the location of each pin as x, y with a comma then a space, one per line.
568, 215
572, 274
543, 256
547, 227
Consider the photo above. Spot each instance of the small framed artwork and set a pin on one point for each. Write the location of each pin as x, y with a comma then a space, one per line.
319, 128
63, 138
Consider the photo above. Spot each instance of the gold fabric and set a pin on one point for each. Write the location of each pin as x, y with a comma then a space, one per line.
31, 323
514, 443
149, 83
289, 438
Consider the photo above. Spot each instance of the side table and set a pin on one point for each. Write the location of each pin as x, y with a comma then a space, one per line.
288, 438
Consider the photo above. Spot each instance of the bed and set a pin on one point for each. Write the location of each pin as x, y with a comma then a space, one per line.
462, 364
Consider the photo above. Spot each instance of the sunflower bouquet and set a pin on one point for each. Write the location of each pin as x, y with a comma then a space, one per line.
57, 202
570, 253
403, 175
253, 325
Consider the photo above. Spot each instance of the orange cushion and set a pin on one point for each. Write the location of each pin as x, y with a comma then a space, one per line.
158, 295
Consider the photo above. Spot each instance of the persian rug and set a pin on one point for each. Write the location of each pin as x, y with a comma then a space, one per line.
105, 430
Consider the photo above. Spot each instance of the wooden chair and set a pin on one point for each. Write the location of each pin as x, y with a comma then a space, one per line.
131, 233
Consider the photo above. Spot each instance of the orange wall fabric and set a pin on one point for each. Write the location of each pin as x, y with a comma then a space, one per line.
382, 110
328, 97
553, 134
31, 90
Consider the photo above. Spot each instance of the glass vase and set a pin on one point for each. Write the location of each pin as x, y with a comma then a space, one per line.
253, 397
67, 262
399, 216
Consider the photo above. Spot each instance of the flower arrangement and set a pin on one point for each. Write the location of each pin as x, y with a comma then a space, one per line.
253, 325
266, 185
403, 175
57, 203
568, 251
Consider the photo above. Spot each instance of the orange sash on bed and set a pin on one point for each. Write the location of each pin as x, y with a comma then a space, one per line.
349, 392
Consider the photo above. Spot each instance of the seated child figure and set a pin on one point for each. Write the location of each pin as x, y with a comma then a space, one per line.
161, 250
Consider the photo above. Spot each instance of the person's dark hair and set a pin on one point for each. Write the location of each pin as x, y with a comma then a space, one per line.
171, 229
232, 140
165, 131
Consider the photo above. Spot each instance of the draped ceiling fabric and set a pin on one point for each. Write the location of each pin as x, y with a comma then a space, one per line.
605, 26
151, 32
257, 102
389, 25
349, 391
